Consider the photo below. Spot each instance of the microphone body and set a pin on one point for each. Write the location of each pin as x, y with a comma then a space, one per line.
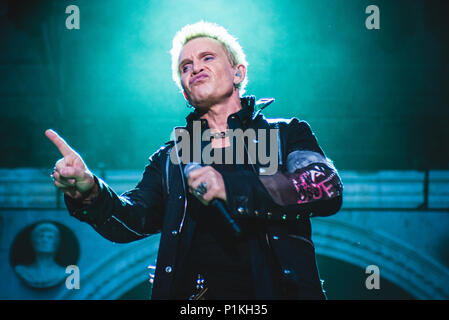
218, 204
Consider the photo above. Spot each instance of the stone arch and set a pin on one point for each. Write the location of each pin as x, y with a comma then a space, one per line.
415, 272
115, 275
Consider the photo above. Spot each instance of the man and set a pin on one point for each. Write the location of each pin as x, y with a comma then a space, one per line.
199, 254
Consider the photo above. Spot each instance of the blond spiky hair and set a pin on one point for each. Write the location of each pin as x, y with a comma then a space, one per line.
208, 30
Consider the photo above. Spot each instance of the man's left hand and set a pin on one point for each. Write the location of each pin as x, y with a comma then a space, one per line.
212, 179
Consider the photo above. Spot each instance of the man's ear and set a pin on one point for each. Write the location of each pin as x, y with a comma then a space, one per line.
240, 74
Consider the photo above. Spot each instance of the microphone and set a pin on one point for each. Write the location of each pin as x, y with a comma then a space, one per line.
215, 202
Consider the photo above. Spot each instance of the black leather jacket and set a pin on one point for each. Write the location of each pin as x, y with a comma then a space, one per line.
283, 255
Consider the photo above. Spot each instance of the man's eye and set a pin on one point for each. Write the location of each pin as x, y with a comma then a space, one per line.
208, 58
185, 68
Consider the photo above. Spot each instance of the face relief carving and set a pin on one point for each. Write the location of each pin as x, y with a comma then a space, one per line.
44, 272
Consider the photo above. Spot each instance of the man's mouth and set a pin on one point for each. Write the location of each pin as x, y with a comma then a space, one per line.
198, 78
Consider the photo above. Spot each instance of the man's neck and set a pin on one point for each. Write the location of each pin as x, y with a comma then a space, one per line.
217, 115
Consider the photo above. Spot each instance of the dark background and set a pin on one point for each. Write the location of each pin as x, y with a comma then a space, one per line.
376, 99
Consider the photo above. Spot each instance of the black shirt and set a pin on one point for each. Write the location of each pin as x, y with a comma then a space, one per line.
215, 254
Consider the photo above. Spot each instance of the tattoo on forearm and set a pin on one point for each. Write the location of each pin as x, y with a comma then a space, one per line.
310, 177
315, 182
302, 158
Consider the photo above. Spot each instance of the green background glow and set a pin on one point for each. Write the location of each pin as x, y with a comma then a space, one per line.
376, 99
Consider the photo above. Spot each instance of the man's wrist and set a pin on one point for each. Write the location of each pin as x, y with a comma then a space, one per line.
90, 195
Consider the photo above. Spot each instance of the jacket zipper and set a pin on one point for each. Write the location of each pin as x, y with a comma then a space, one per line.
183, 186
276, 125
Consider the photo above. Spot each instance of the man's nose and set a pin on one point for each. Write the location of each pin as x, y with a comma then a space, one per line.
197, 68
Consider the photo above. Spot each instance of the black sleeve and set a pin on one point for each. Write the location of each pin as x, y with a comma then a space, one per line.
301, 137
130, 216
270, 197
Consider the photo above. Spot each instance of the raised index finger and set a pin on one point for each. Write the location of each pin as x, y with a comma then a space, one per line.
60, 143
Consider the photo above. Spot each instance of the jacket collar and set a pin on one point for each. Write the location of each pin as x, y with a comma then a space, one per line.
243, 114
247, 113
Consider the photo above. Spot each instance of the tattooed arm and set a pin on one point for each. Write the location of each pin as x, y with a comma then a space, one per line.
309, 186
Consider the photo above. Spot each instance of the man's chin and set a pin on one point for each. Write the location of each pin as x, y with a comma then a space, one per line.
202, 100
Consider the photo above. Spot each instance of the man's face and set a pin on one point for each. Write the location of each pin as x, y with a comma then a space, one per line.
207, 75
45, 241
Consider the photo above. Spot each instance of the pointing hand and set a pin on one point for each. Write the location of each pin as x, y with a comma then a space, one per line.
70, 174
